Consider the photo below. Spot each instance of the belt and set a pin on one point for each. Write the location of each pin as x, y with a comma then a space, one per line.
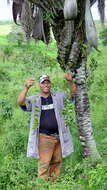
52, 135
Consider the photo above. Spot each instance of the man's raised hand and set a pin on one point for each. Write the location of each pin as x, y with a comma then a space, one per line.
29, 83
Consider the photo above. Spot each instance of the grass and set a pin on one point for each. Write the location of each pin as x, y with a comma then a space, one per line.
18, 63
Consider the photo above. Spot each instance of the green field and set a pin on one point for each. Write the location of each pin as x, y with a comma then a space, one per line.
19, 61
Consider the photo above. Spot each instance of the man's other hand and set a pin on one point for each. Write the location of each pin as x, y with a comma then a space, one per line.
68, 77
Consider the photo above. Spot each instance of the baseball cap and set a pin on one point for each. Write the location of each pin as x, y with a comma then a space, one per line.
43, 78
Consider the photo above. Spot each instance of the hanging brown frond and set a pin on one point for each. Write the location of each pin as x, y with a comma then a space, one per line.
17, 9
38, 30
26, 18
18, 1
92, 2
49, 5
91, 33
101, 7
46, 27
70, 9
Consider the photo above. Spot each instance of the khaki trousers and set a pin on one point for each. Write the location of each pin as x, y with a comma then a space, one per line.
50, 157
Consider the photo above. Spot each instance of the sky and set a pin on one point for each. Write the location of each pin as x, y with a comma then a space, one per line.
6, 12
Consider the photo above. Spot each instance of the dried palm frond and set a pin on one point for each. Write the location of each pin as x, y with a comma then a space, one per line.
46, 27
18, 1
16, 10
101, 8
48, 5
92, 2
38, 30
40, 27
91, 33
70, 9
26, 18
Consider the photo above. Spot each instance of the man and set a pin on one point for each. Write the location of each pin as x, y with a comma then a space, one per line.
49, 137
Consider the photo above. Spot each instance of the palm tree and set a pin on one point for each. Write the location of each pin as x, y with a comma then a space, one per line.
74, 31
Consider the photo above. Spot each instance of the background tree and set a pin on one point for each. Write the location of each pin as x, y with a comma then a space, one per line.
74, 32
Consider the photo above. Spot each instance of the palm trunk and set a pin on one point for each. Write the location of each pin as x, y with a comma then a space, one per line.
82, 108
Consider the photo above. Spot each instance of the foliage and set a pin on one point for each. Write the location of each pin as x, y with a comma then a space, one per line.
6, 110
103, 36
4, 75
49, 17
16, 36
91, 68
7, 51
20, 173
68, 112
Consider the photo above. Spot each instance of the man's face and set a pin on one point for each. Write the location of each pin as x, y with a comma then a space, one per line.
45, 86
